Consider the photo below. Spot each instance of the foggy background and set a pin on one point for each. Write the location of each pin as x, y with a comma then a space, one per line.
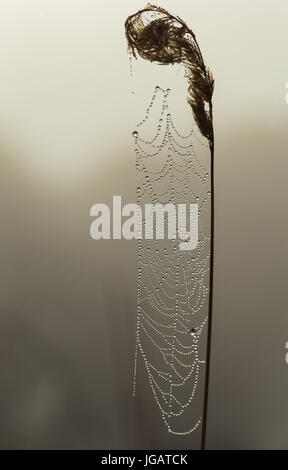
67, 324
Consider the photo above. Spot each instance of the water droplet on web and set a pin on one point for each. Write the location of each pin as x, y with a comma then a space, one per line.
135, 134
193, 331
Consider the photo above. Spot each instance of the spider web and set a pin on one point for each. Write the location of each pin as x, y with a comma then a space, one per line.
173, 285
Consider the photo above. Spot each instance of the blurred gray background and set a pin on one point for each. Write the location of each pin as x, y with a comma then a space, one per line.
67, 324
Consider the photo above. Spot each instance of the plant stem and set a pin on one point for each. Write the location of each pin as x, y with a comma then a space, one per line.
211, 274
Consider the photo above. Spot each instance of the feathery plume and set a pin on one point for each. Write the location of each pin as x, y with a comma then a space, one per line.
158, 36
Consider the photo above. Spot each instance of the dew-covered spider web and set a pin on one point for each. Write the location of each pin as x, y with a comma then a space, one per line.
173, 285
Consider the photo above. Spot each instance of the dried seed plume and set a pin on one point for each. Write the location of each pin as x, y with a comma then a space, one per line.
158, 36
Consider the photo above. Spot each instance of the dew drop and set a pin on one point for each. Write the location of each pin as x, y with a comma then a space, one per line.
135, 134
193, 331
